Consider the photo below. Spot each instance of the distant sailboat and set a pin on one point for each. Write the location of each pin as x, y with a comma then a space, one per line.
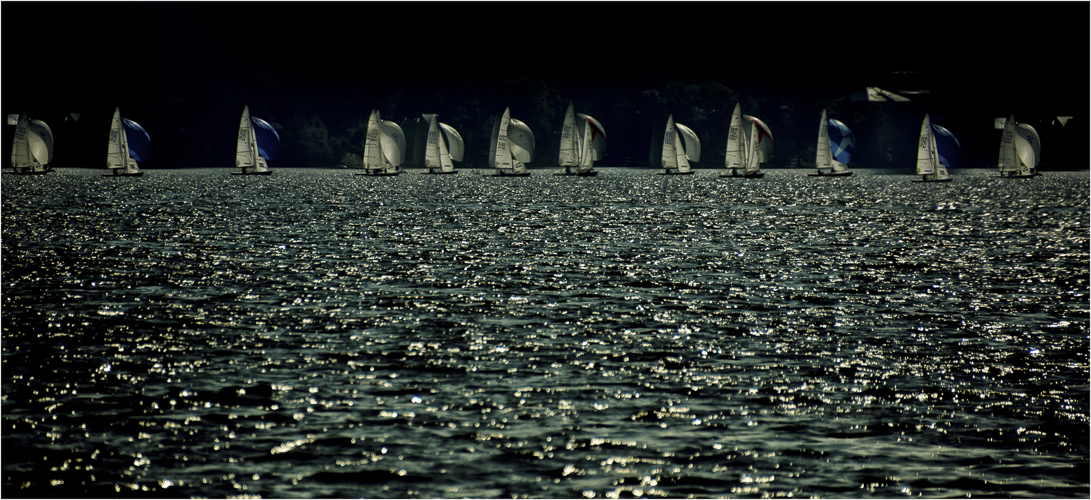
676, 155
383, 147
1020, 150
437, 153
747, 141
32, 151
929, 166
258, 141
580, 145
834, 149
129, 143
512, 146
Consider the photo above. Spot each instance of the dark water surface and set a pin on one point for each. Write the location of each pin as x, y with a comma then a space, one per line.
320, 334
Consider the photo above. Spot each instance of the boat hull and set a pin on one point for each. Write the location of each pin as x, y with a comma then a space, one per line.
757, 175
137, 174
932, 180
1036, 174
838, 174
267, 172
381, 174
38, 172
500, 173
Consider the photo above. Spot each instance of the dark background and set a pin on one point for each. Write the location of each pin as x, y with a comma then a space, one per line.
315, 70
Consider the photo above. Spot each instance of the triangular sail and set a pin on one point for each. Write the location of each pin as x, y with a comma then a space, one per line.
752, 157
499, 156
373, 150
1007, 162
670, 157
736, 142
586, 157
570, 144
822, 159
117, 153
926, 151
20, 153
246, 150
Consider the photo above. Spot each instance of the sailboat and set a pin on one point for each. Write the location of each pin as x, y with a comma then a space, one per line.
1020, 150
745, 147
676, 155
129, 143
512, 147
258, 141
834, 149
32, 151
929, 166
437, 154
383, 147
580, 145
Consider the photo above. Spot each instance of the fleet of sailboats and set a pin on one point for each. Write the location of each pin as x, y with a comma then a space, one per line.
512, 147
438, 153
258, 142
32, 151
383, 146
678, 153
1020, 150
129, 143
581, 143
834, 150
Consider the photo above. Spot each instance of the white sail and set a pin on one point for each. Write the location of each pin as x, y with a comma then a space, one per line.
823, 158
692, 143
520, 145
393, 145
374, 159
926, 149
570, 144
753, 157
20, 152
928, 164
586, 156
40, 144
246, 147
117, 154
736, 142
670, 157
499, 157
1007, 161
1027, 148
455, 145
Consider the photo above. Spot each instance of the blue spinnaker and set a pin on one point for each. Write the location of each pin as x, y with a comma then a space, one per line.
842, 142
267, 137
140, 143
948, 147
